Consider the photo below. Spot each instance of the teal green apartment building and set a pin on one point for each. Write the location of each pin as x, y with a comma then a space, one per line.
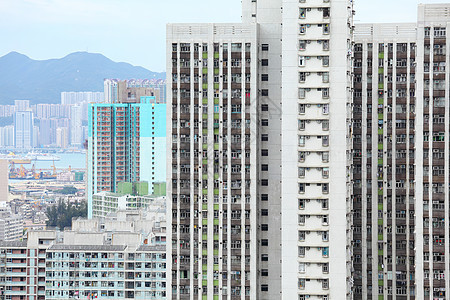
126, 143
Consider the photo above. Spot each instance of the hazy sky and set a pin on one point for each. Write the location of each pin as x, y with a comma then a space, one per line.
134, 30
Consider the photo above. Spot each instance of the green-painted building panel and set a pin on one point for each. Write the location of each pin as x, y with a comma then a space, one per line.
216, 146
216, 267
216, 176
205, 71
216, 54
159, 189
205, 191
125, 188
216, 101
381, 86
205, 100
205, 116
380, 221
216, 191
205, 55
205, 146
381, 55
380, 237
380, 131
380, 70
216, 86
216, 71
205, 86
205, 237
140, 188
204, 221
216, 221
380, 116
216, 206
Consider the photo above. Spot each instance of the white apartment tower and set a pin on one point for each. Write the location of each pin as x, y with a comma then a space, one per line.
261, 153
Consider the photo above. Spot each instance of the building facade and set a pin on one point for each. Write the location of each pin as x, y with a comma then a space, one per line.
23, 129
118, 134
400, 158
302, 138
213, 176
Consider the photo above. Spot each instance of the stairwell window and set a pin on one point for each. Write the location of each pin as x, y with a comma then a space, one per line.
302, 29
301, 61
301, 140
302, 45
326, 28
301, 76
302, 13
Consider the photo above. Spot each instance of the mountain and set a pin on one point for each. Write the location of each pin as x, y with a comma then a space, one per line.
42, 81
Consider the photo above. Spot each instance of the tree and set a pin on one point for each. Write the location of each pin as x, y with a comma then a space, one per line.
68, 190
61, 215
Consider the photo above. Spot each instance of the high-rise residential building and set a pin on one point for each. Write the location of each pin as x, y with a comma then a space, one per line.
400, 158
261, 116
7, 136
126, 143
213, 166
36, 137
116, 91
4, 180
21, 105
23, 129
62, 137
78, 97
75, 126
384, 158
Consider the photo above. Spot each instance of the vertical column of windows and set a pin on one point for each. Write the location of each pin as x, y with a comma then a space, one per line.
313, 143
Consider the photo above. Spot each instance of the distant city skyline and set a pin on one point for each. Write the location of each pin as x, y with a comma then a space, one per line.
44, 29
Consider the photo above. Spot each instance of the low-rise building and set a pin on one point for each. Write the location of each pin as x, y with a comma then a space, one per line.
122, 255
11, 225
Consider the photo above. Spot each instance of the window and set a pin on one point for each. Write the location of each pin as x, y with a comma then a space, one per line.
264, 272
265, 92
265, 167
301, 267
301, 188
264, 137
301, 77
301, 61
264, 122
264, 287
325, 93
301, 108
301, 93
264, 257
264, 62
264, 242
264, 212
264, 182
264, 107
265, 47
264, 152
301, 236
264, 227
302, 28
301, 251
264, 197
301, 172
302, 13
264, 77
302, 45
